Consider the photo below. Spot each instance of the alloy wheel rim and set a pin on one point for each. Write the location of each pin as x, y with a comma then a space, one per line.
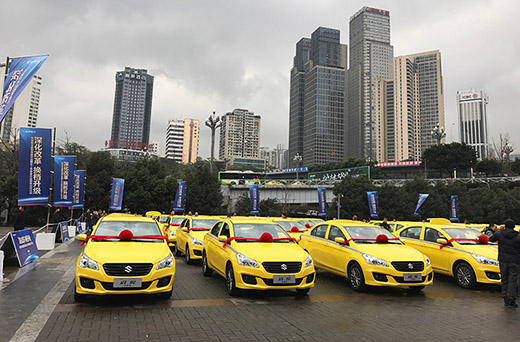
354, 277
230, 280
204, 263
187, 254
464, 275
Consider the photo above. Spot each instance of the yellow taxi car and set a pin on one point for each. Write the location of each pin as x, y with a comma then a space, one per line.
459, 252
309, 223
126, 254
366, 255
189, 236
256, 254
153, 214
171, 230
292, 226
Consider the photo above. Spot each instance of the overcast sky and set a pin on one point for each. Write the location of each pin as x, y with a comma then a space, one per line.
220, 55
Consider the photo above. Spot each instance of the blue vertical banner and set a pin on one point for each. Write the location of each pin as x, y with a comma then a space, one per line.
64, 231
116, 195
34, 166
20, 73
422, 198
79, 189
24, 246
373, 203
454, 209
322, 201
63, 180
254, 196
180, 197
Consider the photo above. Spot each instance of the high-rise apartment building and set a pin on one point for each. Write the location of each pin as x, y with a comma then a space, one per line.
317, 112
131, 120
24, 112
472, 110
408, 107
370, 59
182, 140
274, 158
239, 135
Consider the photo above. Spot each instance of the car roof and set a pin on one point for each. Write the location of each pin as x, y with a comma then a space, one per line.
350, 223
127, 217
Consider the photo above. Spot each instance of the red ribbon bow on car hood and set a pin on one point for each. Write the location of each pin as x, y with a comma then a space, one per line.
266, 237
125, 235
482, 240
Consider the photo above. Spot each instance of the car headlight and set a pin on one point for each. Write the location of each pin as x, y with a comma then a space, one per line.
245, 261
308, 261
427, 261
86, 262
372, 260
172, 233
166, 262
483, 260
196, 242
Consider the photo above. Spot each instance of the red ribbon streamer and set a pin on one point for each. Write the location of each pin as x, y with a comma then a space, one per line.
107, 237
390, 239
480, 240
260, 239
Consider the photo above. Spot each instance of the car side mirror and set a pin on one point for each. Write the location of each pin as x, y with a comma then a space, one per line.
442, 241
340, 240
81, 237
184, 229
172, 239
222, 238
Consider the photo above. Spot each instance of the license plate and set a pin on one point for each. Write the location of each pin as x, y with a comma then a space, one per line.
127, 282
284, 279
412, 277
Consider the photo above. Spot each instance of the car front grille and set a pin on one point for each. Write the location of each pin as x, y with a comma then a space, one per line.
282, 267
127, 270
408, 266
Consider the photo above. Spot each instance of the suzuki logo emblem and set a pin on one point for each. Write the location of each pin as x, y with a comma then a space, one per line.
128, 269
283, 267
410, 266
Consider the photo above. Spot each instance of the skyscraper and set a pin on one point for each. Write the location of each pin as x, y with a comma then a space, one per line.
317, 119
132, 109
239, 135
370, 60
182, 140
472, 108
24, 112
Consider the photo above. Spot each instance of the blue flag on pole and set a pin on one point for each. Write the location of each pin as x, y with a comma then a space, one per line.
422, 198
180, 198
116, 195
63, 180
79, 189
322, 201
34, 166
20, 73
372, 203
454, 208
254, 196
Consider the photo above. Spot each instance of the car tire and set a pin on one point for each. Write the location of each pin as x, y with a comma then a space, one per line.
415, 289
206, 271
230, 281
356, 278
78, 297
464, 275
302, 292
176, 251
189, 260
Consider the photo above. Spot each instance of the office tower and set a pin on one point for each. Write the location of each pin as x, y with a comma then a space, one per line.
275, 158
239, 135
24, 112
370, 59
317, 113
472, 108
182, 140
132, 109
409, 106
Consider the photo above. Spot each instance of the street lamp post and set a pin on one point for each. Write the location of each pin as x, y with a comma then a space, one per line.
297, 158
339, 203
213, 122
438, 133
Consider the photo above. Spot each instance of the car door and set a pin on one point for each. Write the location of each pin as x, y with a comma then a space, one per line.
211, 244
336, 254
440, 258
411, 236
317, 244
182, 238
220, 253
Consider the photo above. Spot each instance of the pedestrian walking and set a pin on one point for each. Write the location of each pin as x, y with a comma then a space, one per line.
509, 259
21, 218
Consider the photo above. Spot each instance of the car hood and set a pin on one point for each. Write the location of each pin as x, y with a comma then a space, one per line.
198, 234
270, 251
489, 251
390, 252
128, 251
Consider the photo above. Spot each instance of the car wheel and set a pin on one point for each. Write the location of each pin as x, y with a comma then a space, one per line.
415, 289
166, 295
176, 251
464, 275
189, 260
206, 271
230, 281
78, 297
302, 292
356, 278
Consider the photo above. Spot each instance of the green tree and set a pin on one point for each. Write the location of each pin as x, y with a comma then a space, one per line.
354, 200
100, 169
490, 167
202, 189
449, 157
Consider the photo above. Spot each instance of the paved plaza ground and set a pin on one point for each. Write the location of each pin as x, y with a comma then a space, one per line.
37, 304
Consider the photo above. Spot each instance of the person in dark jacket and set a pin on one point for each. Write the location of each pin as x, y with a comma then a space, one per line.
19, 221
509, 258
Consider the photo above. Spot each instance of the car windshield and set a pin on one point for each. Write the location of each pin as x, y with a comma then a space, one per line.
113, 228
207, 223
177, 220
255, 230
463, 233
369, 233
287, 225
163, 219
